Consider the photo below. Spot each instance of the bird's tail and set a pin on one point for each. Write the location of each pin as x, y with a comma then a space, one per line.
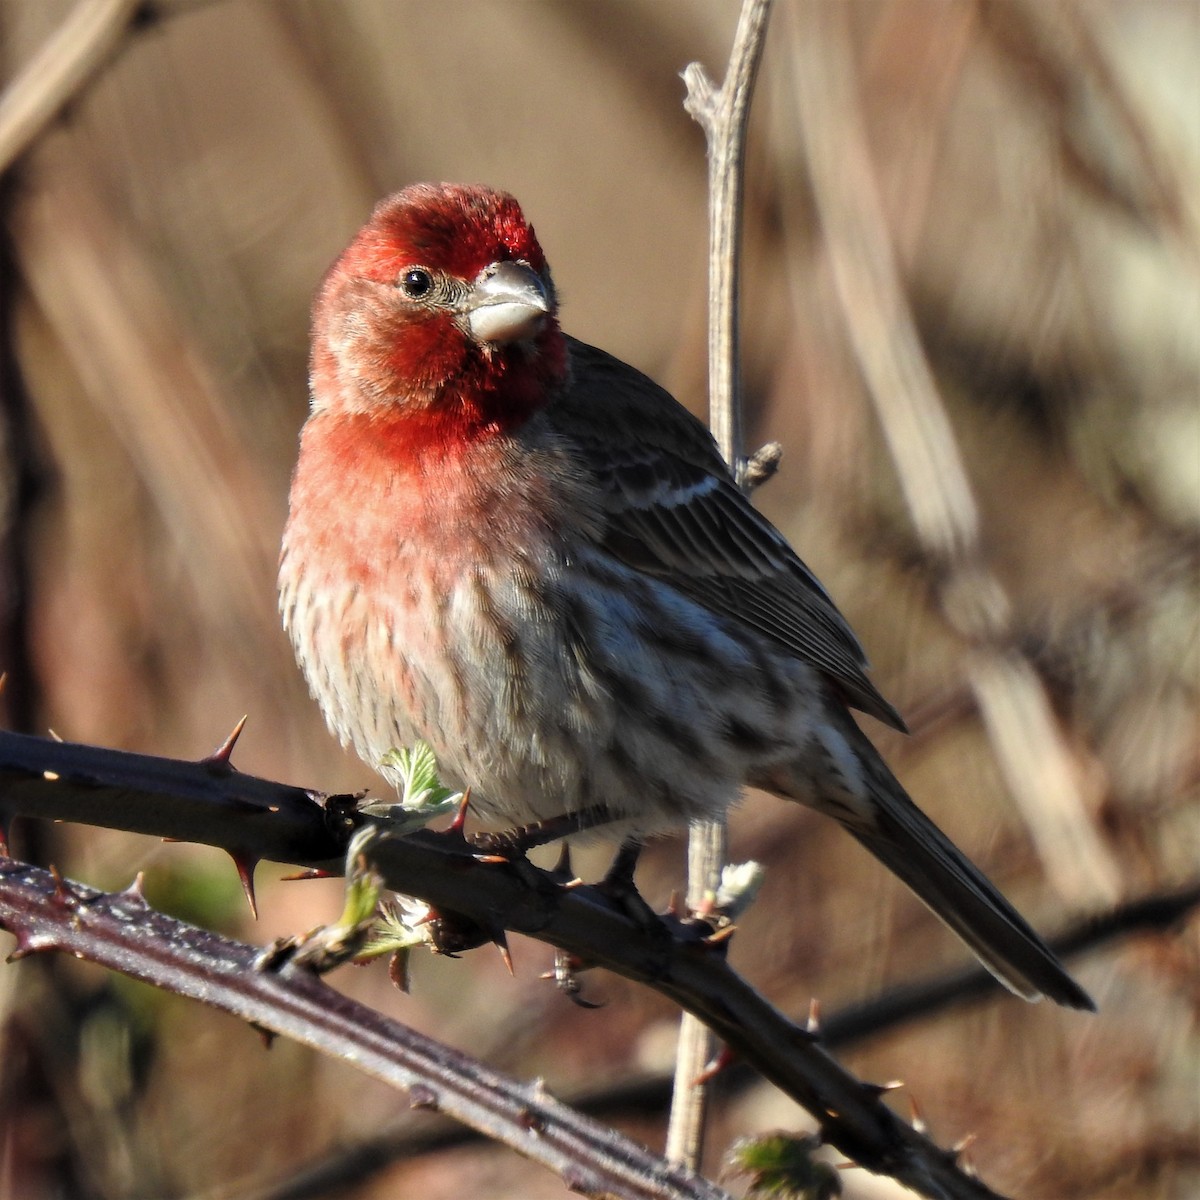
910, 845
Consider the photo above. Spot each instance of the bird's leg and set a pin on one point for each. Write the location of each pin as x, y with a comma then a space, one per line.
619, 887
526, 837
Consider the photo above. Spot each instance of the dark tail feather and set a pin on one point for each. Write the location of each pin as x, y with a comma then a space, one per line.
910, 845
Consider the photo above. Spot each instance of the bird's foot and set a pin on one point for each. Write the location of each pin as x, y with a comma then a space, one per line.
566, 978
619, 889
513, 843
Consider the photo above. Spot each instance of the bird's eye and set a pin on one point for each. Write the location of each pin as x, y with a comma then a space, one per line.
416, 282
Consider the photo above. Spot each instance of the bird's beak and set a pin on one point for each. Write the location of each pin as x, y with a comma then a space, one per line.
508, 303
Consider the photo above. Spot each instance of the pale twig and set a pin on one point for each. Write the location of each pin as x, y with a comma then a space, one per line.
1016, 712
722, 113
77, 49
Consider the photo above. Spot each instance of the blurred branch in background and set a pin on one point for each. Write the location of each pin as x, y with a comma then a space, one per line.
1032, 755
78, 49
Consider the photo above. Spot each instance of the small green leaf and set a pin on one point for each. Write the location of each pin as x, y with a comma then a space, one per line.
399, 928
423, 796
419, 784
782, 1166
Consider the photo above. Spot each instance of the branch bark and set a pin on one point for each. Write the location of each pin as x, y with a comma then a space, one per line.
120, 931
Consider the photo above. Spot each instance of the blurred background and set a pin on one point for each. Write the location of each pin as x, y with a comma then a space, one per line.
1014, 183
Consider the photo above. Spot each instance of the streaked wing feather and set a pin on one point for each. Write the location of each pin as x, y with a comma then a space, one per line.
674, 511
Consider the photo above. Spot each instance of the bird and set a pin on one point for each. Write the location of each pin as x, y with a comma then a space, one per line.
521, 550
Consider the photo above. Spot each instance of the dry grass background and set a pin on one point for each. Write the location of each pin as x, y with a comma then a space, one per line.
1036, 166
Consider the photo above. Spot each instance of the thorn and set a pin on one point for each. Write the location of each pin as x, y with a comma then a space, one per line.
563, 873
813, 1024
308, 873
136, 889
460, 818
916, 1120
54, 736
421, 1095
487, 858
398, 971
501, 944
673, 904
245, 865
724, 1058
960, 1148
62, 893
27, 944
720, 936
268, 1035
3, 679
881, 1089
220, 756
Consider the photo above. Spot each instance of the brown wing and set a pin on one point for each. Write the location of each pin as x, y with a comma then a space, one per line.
675, 512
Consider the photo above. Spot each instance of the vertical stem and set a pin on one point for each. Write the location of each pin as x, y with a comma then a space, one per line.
722, 113
725, 128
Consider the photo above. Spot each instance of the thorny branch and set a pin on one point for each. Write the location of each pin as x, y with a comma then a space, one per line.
254, 818
120, 931
414, 1136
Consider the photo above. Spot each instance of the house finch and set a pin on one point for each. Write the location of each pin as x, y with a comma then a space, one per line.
523, 551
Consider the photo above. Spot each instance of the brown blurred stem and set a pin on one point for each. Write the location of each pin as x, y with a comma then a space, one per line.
73, 54
21, 481
722, 113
